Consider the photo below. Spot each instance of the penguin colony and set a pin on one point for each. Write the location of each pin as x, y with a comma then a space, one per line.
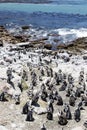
49, 91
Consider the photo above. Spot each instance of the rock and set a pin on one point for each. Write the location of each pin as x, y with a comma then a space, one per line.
4, 86
25, 27
2, 29
10, 92
75, 46
3, 128
19, 38
40, 110
48, 46
24, 44
61, 46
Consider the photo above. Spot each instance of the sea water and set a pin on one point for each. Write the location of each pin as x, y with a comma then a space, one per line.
68, 18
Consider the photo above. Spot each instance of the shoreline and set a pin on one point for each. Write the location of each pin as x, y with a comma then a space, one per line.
25, 39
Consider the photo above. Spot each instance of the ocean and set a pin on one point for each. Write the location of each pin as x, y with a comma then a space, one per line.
66, 18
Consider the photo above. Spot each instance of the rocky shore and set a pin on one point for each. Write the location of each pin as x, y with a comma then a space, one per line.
32, 73
8, 37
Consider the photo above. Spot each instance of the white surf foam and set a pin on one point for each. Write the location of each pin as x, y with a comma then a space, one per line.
71, 34
82, 32
64, 35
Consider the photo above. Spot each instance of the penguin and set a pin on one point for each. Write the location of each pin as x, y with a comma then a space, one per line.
43, 127
30, 115
20, 86
49, 114
60, 76
68, 112
63, 87
25, 109
44, 95
35, 99
70, 79
17, 99
42, 72
62, 118
78, 92
2, 97
77, 114
72, 100
51, 72
50, 111
85, 124
59, 100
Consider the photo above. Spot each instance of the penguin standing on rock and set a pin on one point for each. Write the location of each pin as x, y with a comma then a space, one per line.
72, 100
60, 76
63, 87
50, 111
62, 118
30, 115
43, 127
77, 114
70, 79
9, 77
68, 112
85, 124
25, 109
17, 99
2, 97
59, 100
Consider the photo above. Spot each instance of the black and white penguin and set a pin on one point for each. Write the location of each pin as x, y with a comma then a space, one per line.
2, 97
77, 114
30, 115
25, 109
59, 100
43, 127
49, 114
63, 87
50, 111
62, 120
68, 112
35, 99
72, 100
17, 99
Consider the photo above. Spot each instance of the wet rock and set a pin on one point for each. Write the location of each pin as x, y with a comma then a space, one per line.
2, 29
20, 38
75, 46
61, 46
25, 27
48, 46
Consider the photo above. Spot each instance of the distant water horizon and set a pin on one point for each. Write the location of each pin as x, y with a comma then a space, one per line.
73, 2
49, 8
68, 18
